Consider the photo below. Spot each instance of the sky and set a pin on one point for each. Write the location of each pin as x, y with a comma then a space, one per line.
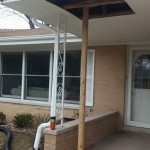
9, 20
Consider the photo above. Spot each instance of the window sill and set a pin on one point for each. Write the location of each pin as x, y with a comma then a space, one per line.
36, 103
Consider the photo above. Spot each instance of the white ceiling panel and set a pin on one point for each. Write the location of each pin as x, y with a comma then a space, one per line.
45, 11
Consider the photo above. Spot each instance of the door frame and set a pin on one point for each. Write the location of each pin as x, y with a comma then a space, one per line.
128, 87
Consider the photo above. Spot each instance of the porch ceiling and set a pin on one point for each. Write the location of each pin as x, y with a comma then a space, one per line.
97, 8
124, 29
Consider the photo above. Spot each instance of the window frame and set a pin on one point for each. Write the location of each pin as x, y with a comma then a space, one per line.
26, 97
23, 100
73, 101
8, 74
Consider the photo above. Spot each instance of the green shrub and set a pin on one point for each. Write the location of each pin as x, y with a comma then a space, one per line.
2, 118
23, 120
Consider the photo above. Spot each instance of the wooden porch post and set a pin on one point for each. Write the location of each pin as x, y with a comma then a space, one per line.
83, 79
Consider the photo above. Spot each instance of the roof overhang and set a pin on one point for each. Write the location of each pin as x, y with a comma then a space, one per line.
119, 29
97, 8
47, 12
37, 42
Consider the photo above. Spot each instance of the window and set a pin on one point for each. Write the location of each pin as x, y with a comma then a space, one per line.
11, 74
37, 75
72, 76
27, 76
141, 73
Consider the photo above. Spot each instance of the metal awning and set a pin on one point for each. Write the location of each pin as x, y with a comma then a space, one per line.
127, 29
47, 12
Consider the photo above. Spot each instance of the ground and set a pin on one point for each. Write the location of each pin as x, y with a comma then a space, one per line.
21, 140
1, 140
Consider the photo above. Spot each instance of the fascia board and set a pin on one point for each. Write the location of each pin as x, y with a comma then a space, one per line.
36, 39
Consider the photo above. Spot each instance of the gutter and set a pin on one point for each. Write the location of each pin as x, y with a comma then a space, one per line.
36, 39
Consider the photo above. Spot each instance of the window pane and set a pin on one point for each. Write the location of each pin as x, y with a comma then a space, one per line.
138, 83
145, 83
11, 85
138, 70
38, 63
72, 88
11, 63
73, 59
141, 72
37, 87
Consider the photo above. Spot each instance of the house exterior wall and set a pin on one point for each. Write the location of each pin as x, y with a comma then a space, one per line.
109, 86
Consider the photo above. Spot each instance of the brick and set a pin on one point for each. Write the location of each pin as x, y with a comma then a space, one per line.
94, 132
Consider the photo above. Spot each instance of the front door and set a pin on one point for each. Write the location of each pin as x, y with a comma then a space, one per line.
139, 85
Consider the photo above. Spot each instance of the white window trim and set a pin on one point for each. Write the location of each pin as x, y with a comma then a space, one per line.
127, 119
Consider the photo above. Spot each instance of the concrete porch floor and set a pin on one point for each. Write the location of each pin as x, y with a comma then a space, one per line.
124, 141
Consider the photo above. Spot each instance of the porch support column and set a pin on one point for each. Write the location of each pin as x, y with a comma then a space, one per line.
81, 131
